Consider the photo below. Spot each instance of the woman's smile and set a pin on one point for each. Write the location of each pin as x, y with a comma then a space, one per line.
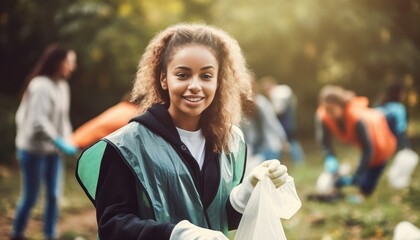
193, 99
191, 80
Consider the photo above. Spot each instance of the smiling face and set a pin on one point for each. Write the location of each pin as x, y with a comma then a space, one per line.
191, 82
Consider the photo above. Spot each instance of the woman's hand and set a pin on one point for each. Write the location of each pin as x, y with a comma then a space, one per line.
240, 195
187, 231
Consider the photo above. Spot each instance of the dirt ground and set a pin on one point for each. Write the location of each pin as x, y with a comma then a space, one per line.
78, 226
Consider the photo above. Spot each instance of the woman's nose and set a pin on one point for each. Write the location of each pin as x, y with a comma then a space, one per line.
194, 84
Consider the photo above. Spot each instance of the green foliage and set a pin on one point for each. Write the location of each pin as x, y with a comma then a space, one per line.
8, 108
305, 43
358, 44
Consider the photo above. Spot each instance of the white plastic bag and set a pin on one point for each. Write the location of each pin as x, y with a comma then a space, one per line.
402, 167
406, 231
325, 183
261, 218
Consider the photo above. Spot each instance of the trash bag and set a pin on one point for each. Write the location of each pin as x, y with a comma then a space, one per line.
406, 231
261, 218
325, 183
402, 167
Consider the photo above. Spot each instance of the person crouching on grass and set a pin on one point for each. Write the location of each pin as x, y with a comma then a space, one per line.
349, 118
175, 171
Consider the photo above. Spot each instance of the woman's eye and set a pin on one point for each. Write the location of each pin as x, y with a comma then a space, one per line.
207, 76
182, 75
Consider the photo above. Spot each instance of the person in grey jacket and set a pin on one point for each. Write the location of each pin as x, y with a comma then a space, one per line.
43, 124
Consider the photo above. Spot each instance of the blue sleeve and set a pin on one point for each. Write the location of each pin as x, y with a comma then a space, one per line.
367, 150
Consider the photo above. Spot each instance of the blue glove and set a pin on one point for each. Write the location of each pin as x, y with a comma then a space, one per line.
65, 147
331, 164
344, 181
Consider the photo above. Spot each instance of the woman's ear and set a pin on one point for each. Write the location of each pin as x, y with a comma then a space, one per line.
163, 81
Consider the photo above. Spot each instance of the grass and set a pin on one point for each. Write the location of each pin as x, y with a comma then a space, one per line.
373, 219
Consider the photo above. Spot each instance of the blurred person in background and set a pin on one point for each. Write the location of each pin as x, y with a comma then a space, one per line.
395, 112
284, 103
175, 171
105, 123
347, 117
43, 124
264, 134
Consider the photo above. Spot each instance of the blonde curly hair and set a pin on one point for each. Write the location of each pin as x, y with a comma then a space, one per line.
233, 77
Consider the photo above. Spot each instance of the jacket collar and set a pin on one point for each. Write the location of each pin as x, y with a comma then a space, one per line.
158, 120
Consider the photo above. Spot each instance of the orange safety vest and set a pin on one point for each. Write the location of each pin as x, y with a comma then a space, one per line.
384, 142
107, 122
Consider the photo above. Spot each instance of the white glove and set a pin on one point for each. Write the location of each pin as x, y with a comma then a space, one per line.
239, 196
185, 230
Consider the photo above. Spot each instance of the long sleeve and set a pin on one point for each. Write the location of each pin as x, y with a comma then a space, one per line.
117, 206
40, 104
234, 217
323, 134
367, 150
67, 128
272, 129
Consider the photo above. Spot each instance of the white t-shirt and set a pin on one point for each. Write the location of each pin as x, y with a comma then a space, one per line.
195, 142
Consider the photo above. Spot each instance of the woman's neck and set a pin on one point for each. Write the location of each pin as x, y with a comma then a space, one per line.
187, 123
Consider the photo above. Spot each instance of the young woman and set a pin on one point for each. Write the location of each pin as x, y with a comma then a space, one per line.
348, 117
43, 123
175, 171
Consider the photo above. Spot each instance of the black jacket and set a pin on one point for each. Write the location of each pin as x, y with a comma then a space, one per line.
116, 199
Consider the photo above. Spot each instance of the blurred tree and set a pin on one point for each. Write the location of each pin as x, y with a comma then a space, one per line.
305, 43
358, 44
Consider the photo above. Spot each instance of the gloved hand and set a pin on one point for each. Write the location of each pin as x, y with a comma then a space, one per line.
331, 164
65, 147
187, 231
240, 194
344, 181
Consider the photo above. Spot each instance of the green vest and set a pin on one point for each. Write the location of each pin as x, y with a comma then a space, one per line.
166, 190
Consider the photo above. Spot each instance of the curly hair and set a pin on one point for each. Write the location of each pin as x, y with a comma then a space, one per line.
233, 77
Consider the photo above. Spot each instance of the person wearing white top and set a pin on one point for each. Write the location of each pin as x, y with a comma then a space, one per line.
195, 142
43, 124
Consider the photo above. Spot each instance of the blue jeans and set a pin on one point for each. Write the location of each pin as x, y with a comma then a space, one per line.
370, 179
296, 151
37, 168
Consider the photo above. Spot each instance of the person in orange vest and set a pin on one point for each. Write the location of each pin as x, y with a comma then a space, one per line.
347, 117
107, 122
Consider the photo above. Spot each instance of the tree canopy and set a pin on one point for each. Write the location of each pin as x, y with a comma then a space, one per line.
358, 44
